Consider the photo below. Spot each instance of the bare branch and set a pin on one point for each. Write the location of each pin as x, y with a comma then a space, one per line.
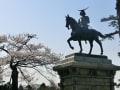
3, 48
42, 74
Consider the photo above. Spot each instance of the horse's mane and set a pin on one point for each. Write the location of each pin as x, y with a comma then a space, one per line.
73, 19
74, 22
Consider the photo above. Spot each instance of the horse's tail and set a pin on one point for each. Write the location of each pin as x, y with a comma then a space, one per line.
101, 35
105, 36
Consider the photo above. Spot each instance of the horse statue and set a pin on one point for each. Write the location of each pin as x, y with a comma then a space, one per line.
79, 34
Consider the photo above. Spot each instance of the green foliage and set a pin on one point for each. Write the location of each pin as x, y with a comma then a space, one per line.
7, 86
119, 54
113, 21
111, 17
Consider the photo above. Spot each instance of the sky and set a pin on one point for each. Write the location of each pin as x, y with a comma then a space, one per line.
46, 18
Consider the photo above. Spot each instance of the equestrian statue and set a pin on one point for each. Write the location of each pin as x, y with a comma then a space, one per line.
81, 32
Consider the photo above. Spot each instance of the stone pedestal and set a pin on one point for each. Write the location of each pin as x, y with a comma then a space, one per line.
86, 72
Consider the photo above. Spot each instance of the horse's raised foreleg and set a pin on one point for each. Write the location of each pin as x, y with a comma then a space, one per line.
80, 46
91, 46
70, 43
100, 44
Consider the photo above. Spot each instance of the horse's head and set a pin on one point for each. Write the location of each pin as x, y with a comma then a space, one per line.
72, 23
67, 21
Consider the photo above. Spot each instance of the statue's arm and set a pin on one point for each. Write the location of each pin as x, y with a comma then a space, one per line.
78, 21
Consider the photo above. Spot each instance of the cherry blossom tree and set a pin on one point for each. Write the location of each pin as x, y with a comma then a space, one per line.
17, 51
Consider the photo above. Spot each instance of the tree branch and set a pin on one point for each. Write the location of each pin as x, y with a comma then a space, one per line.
111, 34
2, 48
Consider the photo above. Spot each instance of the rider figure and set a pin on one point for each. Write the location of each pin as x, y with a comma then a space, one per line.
84, 20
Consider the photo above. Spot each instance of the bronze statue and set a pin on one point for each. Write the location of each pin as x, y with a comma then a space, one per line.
84, 19
78, 33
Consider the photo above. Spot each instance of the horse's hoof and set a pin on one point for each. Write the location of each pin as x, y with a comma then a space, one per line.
72, 48
80, 51
101, 53
89, 53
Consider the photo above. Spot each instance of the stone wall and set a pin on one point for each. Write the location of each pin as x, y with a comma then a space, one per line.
86, 72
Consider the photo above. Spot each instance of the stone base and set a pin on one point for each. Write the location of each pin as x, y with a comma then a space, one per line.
86, 72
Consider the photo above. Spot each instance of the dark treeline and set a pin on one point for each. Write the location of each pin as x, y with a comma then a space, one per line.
7, 86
